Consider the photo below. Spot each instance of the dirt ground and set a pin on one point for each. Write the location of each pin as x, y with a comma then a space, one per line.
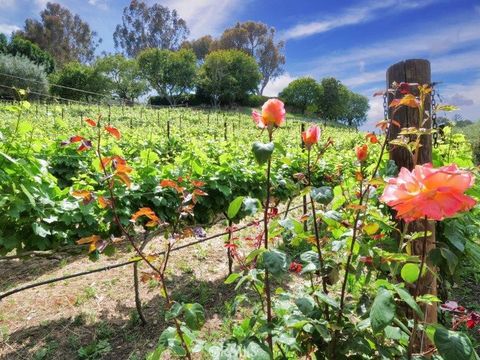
94, 316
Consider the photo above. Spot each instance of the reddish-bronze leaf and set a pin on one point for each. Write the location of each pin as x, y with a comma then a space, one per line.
90, 122
114, 131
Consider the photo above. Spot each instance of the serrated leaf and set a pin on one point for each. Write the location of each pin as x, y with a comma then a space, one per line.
262, 151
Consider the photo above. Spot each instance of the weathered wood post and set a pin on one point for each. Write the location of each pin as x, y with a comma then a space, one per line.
415, 71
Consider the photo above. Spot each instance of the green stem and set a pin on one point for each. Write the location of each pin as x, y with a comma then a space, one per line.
267, 280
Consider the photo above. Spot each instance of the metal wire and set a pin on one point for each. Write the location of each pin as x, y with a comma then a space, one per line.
110, 267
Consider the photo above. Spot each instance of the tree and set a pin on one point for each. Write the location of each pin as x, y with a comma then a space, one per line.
331, 104
228, 76
356, 108
62, 34
124, 76
146, 27
170, 73
257, 40
23, 47
3, 43
22, 68
201, 46
79, 76
302, 94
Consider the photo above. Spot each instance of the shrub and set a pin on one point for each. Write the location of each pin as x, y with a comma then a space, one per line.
22, 67
19, 46
78, 76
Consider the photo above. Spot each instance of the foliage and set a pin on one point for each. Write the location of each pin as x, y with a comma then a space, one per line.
472, 133
145, 27
170, 73
257, 40
123, 75
228, 76
302, 94
62, 34
20, 67
338, 281
201, 46
22, 47
78, 76
356, 109
331, 104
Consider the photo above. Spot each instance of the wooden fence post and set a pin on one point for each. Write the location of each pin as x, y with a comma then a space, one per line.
415, 71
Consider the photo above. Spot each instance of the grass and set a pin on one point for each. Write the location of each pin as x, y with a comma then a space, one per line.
88, 293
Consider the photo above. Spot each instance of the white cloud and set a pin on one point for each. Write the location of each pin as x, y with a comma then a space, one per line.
101, 4
368, 11
42, 3
7, 4
466, 96
7, 29
277, 85
206, 16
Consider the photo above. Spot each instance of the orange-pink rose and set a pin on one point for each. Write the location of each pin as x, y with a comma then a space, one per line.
311, 136
428, 192
362, 152
273, 114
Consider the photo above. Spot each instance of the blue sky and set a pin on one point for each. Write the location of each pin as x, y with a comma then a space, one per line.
354, 41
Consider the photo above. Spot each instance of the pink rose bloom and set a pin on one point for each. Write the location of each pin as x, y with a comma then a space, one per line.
311, 136
428, 192
273, 114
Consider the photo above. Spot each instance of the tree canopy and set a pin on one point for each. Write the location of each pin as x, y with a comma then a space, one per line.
302, 94
62, 34
228, 76
258, 40
170, 73
124, 76
146, 27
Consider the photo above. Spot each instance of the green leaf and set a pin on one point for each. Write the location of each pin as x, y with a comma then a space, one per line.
262, 151
234, 207
405, 296
28, 195
231, 278
455, 236
305, 305
322, 195
174, 311
410, 272
451, 259
327, 299
256, 351
275, 261
383, 310
453, 345
194, 316
40, 230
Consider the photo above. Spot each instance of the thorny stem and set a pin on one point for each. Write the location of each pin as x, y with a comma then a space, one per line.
267, 280
136, 248
417, 287
355, 223
317, 236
